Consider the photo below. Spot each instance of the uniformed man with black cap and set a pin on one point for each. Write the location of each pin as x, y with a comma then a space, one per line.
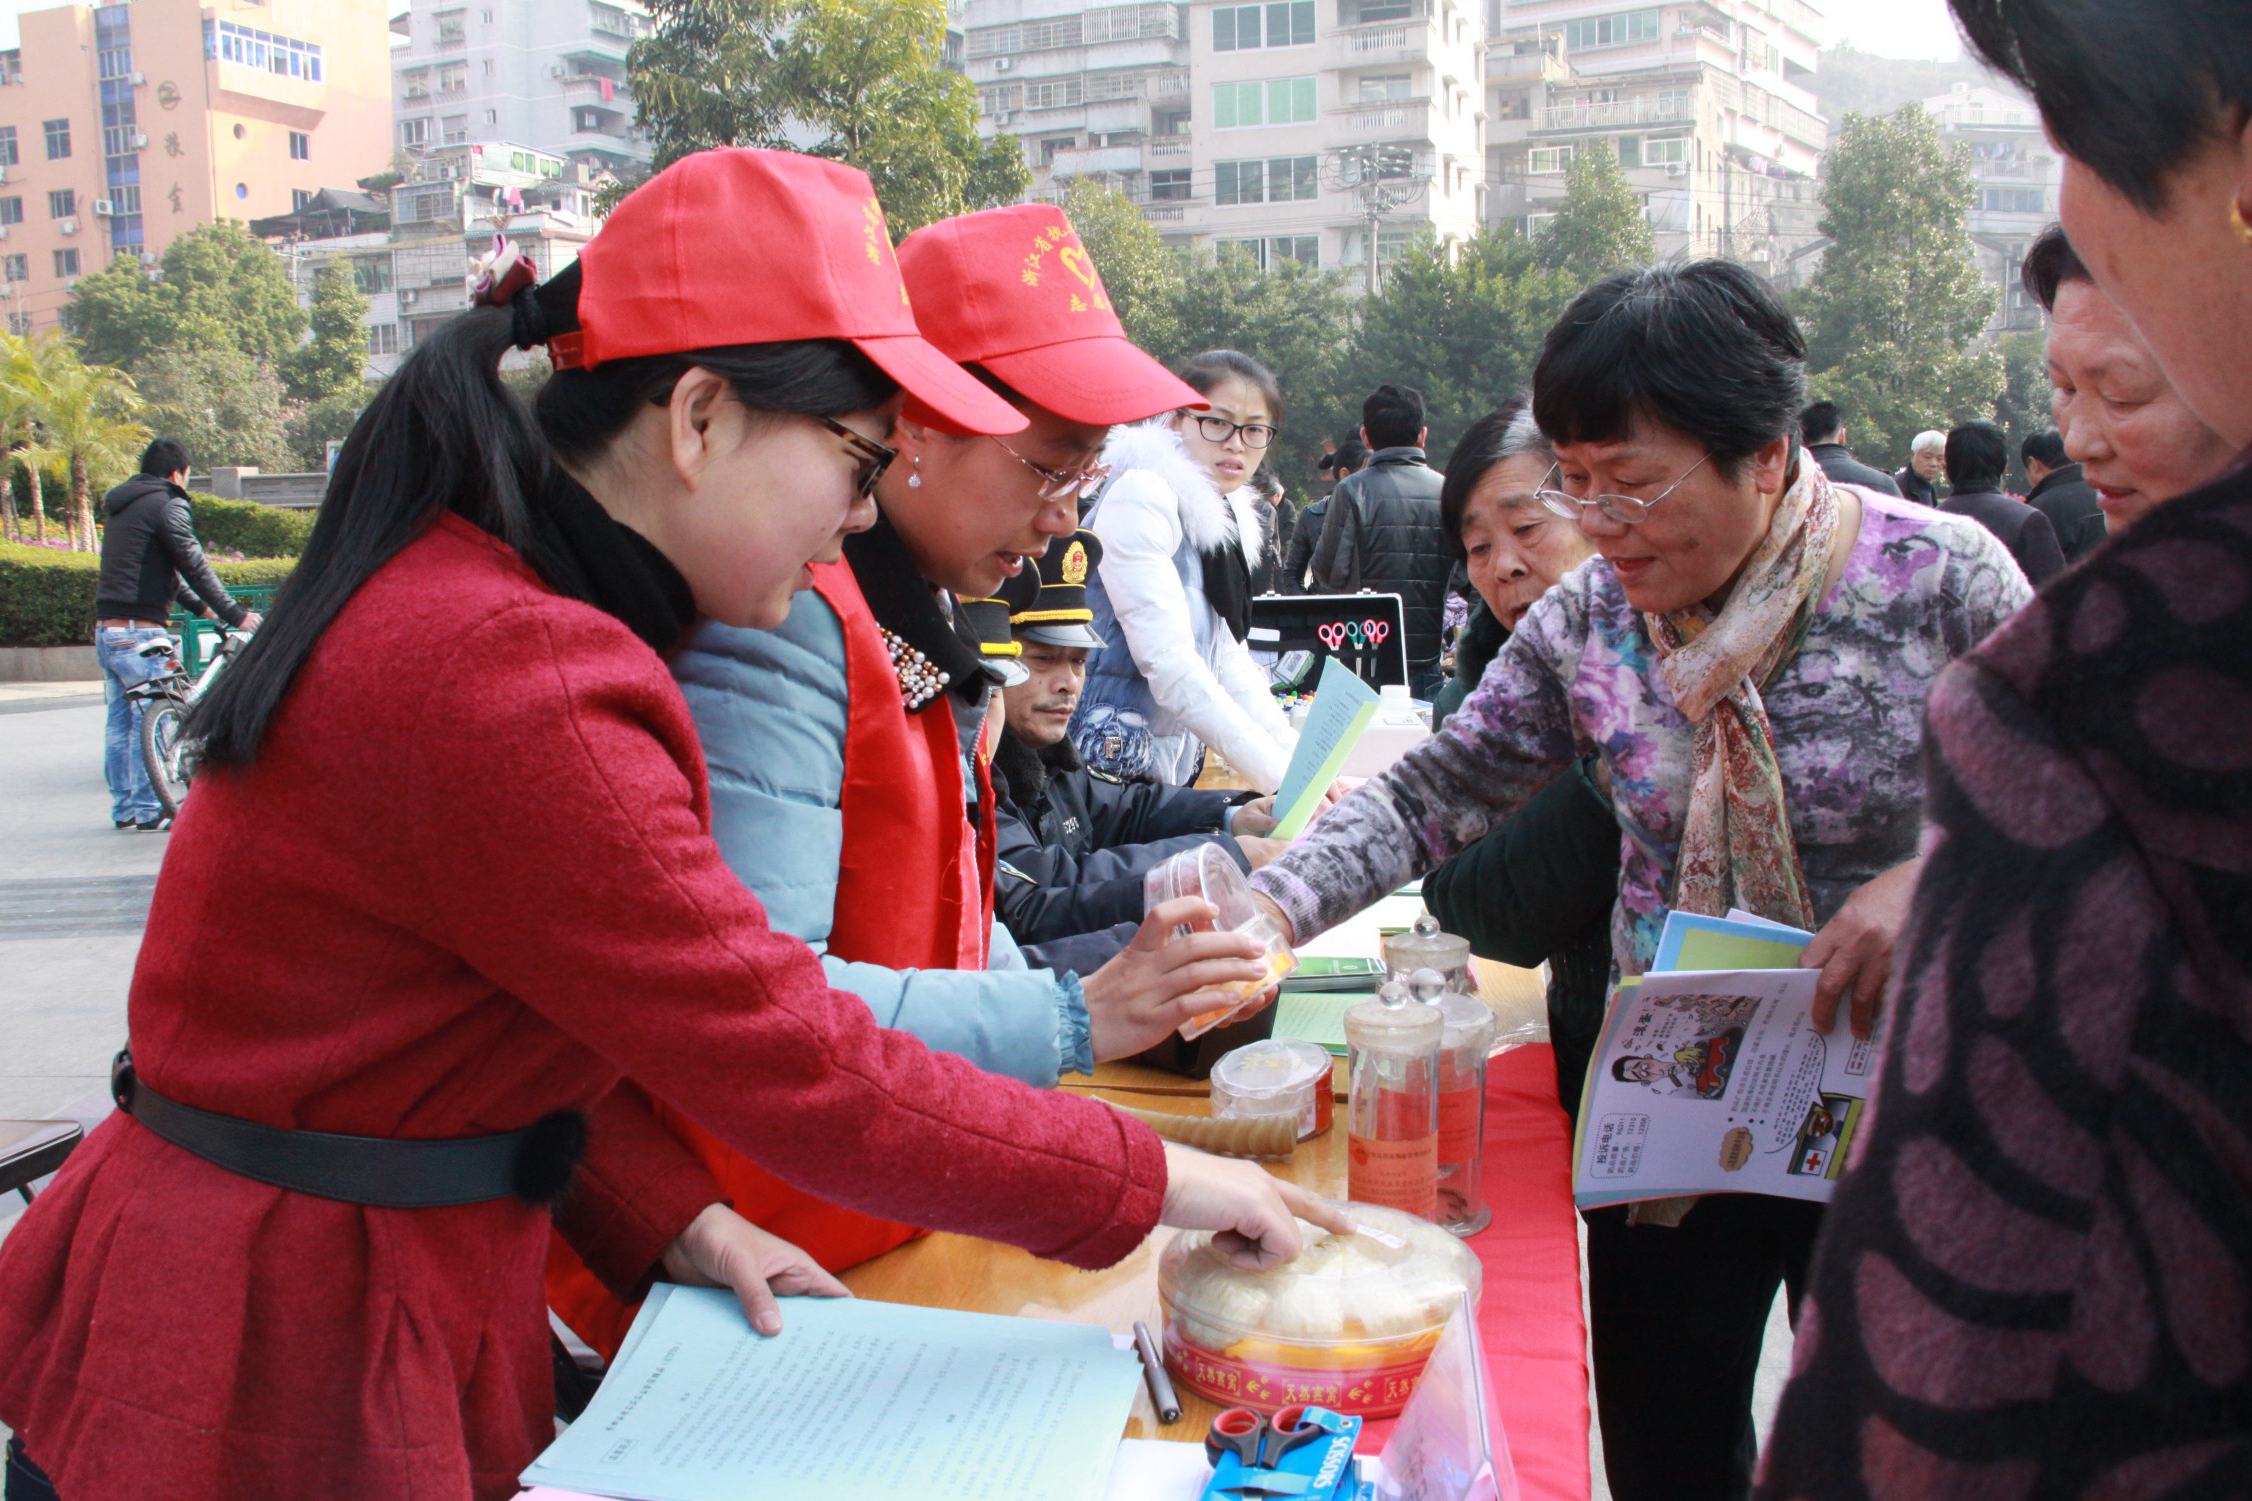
1073, 845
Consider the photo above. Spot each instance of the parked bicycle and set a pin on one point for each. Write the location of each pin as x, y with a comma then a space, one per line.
170, 756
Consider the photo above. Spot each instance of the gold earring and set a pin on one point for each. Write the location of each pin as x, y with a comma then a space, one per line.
2236, 222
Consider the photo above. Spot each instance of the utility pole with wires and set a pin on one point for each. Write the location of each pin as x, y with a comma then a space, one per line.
1383, 178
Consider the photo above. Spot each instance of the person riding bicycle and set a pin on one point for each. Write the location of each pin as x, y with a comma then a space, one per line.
149, 556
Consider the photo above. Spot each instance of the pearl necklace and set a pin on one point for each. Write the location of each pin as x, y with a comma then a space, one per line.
920, 679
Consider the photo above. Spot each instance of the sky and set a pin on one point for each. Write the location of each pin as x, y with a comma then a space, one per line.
1890, 28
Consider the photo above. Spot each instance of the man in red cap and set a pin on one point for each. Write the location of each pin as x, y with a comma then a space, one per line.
839, 760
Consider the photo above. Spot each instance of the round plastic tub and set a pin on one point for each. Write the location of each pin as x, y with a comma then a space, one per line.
1347, 1324
1274, 1077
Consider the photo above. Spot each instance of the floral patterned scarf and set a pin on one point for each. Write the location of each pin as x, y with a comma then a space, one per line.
1736, 846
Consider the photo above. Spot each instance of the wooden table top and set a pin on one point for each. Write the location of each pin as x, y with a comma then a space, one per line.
958, 1271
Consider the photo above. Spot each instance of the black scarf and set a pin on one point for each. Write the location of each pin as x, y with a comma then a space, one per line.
585, 554
1227, 587
905, 604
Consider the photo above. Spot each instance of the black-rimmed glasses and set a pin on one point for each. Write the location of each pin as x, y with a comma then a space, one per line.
1626, 510
873, 456
1059, 484
1220, 429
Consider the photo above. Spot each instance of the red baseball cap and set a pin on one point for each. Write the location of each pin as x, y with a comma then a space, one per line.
1014, 290
737, 246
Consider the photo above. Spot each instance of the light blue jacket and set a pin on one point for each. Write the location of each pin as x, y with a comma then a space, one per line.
771, 708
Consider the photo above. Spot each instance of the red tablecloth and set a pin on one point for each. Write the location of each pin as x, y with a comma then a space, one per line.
1529, 1315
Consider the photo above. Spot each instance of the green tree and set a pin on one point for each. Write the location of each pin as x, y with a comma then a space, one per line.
85, 424
2023, 407
334, 361
1893, 315
1600, 226
860, 81
1462, 321
1141, 275
311, 427
219, 288
225, 406
1294, 320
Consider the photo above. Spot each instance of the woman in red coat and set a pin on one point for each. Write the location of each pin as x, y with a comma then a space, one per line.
449, 875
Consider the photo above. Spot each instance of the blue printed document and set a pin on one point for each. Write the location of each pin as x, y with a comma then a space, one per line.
853, 1399
1343, 707
1690, 941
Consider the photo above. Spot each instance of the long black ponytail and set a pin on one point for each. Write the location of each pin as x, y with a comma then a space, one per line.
444, 434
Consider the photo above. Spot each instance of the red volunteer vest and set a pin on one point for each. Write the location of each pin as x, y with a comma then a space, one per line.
914, 891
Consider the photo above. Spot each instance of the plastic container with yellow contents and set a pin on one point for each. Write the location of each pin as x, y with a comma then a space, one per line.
1347, 1324
1207, 872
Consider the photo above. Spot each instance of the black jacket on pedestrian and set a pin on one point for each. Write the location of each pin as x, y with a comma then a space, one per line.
1383, 534
2069, 501
1072, 847
148, 550
1268, 569
1305, 535
1913, 486
1838, 463
2023, 530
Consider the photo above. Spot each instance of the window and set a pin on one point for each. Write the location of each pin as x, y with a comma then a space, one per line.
1385, 10
1061, 93
125, 199
1239, 28
19, 323
1672, 151
453, 130
1304, 249
1054, 144
300, 146
224, 41
414, 132
2012, 200
7, 146
15, 268
1611, 31
1280, 179
66, 262
299, 198
492, 117
1378, 87
383, 338
488, 61
62, 203
453, 78
372, 273
114, 62
58, 139
11, 210
1278, 101
1169, 186
449, 29
1548, 159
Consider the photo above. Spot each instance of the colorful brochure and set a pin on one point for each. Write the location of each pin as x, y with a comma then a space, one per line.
1342, 709
1732, 942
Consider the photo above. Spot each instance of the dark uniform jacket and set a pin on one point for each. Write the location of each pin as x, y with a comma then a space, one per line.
1305, 534
2069, 501
2023, 530
1838, 463
1913, 486
1383, 534
148, 547
1072, 846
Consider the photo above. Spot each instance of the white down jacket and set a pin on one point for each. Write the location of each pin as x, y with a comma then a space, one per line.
1171, 678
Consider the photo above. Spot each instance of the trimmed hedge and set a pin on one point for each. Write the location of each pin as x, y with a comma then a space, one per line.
47, 594
254, 530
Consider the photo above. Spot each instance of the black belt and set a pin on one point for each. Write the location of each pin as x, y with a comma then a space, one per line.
533, 1164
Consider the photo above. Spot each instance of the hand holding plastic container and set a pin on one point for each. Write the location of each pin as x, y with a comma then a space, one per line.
1466, 1041
1207, 872
1392, 1109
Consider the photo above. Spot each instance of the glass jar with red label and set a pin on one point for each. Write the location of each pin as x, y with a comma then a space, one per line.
1392, 1102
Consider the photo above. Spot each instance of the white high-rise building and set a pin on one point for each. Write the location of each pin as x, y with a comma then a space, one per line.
550, 74
2019, 175
1708, 107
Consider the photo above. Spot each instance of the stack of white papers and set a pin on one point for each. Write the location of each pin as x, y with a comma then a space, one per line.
853, 1399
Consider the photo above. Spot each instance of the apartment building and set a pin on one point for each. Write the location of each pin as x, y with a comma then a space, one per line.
1707, 107
411, 256
123, 126
2018, 174
548, 73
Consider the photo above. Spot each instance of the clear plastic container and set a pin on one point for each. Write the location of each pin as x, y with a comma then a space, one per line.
1276, 1078
1466, 1042
1207, 872
1426, 946
1347, 1324
1392, 1102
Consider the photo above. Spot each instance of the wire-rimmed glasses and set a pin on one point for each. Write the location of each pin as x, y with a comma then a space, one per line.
1059, 484
1220, 429
1626, 510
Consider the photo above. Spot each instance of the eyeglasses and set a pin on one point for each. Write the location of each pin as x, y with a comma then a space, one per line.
1220, 429
873, 456
1626, 510
1059, 484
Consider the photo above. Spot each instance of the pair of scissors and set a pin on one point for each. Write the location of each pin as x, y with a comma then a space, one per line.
1376, 630
1260, 1443
1332, 636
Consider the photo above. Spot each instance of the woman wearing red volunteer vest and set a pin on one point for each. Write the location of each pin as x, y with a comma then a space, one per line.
369, 1031
837, 779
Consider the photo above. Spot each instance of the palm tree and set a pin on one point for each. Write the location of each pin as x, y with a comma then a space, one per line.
84, 418
18, 421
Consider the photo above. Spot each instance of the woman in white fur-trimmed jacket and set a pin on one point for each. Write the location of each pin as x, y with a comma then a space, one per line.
1179, 527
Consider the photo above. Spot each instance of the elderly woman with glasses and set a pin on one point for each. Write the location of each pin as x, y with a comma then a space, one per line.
1748, 657
1181, 529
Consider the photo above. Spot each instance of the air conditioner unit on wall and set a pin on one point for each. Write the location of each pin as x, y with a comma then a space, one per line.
140, 140
408, 296
558, 71
67, 226
140, 79
105, 208
1004, 64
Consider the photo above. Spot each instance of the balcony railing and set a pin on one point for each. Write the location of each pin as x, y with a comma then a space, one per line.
1386, 114
1618, 112
1164, 213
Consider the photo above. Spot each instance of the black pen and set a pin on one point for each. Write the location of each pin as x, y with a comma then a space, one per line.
1161, 1393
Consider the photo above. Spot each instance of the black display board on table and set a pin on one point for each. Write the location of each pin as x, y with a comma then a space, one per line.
1290, 635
